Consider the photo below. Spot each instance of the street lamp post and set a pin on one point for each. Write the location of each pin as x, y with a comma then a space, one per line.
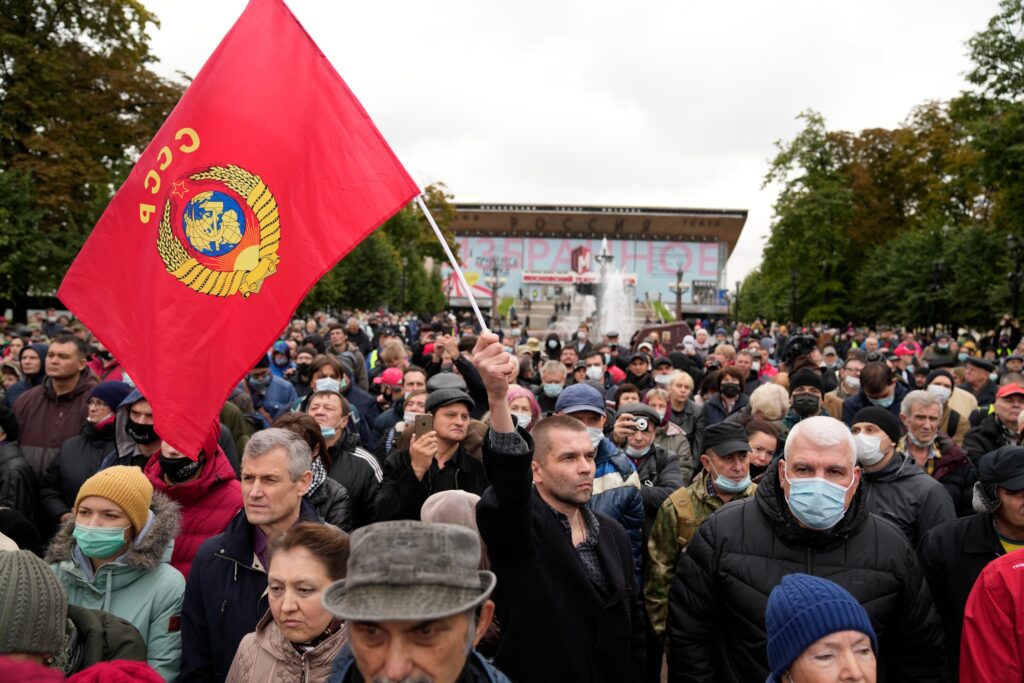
1016, 253
405, 263
497, 267
793, 273
679, 287
737, 317
938, 266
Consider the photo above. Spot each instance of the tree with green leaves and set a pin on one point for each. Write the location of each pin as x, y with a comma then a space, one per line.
78, 101
372, 274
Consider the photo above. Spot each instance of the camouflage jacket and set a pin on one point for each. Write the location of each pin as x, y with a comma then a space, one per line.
673, 529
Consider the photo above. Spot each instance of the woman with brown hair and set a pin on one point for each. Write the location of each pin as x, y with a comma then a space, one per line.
297, 640
330, 498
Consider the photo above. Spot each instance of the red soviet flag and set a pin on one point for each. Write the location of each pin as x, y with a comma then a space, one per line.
265, 175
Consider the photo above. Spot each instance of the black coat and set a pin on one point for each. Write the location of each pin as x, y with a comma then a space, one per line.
717, 603
360, 473
691, 421
659, 477
333, 503
402, 495
18, 487
225, 596
987, 436
78, 459
986, 395
555, 625
906, 496
952, 557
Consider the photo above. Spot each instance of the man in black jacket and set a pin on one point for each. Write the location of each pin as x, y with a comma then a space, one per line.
435, 461
998, 428
659, 470
954, 554
566, 599
226, 590
808, 515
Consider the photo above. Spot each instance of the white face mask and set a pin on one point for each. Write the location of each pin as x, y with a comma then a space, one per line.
523, 419
852, 383
595, 373
869, 449
661, 413
409, 417
941, 392
663, 380
756, 366
596, 435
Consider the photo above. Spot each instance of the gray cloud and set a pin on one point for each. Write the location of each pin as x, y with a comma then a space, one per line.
656, 103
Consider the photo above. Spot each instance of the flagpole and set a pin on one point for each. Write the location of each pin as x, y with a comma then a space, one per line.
455, 263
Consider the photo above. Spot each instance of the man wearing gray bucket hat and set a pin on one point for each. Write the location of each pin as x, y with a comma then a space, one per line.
415, 604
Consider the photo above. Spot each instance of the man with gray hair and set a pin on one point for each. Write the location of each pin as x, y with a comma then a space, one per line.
934, 452
416, 603
809, 515
552, 377
226, 590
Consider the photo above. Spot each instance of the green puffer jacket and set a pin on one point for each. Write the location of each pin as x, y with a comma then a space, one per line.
140, 586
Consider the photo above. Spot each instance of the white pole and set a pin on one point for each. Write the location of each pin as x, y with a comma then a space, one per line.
455, 264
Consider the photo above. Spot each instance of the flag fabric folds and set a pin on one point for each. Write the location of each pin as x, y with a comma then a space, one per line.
266, 173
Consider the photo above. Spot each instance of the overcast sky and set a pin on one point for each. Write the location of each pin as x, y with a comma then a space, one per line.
634, 104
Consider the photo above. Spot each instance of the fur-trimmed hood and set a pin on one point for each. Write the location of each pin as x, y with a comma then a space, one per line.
150, 548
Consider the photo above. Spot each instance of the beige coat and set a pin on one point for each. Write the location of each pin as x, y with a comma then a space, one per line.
265, 656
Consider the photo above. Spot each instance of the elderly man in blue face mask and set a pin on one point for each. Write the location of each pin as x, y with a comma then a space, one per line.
809, 515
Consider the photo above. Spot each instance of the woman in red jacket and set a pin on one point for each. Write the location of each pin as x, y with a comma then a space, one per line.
205, 488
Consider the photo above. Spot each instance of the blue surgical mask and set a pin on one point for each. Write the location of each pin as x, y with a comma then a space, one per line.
328, 384
552, 390
259, 382
962, 357
727, 485
635, 452
993, 376
816, 502
883, 402
328, 432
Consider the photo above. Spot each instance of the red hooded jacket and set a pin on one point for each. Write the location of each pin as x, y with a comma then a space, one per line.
992, 645
207, 502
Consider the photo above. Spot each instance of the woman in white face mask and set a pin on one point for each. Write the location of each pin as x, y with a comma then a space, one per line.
524, 407
941, 382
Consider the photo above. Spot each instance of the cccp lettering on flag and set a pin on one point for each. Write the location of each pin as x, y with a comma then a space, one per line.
264, 176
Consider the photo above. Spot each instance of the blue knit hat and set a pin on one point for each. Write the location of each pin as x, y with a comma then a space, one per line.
802, 610
111, 393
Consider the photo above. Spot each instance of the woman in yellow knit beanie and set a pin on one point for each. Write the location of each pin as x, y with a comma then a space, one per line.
113, 555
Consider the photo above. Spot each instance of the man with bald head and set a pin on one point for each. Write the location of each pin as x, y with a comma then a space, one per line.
809, 515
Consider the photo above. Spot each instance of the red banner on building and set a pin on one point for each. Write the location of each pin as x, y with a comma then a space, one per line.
265, 175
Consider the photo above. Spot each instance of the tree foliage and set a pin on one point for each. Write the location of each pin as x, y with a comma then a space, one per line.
904, 226
77, 103
372, 274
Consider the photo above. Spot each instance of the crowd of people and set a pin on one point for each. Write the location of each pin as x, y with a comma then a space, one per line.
394, 498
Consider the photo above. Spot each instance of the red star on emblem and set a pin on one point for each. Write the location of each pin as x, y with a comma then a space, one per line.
179, 189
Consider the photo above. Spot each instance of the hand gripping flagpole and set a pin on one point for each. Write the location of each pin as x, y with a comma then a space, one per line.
455, 263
